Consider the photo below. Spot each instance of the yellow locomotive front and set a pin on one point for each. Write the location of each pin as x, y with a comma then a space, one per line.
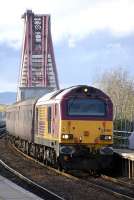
86, 129
74, 125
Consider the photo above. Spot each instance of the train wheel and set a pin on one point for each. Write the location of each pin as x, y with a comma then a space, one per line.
59, 166
46, 156
26, 147
53, 158
41, 153
94, 173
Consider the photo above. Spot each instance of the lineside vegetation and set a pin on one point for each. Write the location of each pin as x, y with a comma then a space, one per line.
118, 84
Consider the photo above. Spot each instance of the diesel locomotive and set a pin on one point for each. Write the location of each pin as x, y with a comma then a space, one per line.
70, 128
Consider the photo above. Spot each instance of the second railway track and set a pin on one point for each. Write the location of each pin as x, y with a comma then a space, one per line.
117, 188
112, 185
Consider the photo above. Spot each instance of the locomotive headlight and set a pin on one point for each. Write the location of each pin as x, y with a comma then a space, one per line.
85, 90
105, 137
108, 137
67, 136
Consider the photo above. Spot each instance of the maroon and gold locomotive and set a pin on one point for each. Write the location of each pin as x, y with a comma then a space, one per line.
71, 128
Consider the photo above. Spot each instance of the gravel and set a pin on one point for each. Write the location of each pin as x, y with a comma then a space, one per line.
65, 187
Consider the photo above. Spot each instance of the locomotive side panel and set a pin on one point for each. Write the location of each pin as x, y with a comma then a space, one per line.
47, 126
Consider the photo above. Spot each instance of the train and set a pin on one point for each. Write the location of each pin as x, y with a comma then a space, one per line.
71, 128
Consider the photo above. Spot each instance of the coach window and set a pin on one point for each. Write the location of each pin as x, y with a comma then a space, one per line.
49, 119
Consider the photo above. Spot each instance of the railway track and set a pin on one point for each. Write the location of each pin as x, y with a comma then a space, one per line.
119, 181
26, 183
65, 185
23, 181
111, 185
117, 188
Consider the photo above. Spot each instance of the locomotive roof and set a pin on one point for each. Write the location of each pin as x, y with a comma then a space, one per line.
58, 94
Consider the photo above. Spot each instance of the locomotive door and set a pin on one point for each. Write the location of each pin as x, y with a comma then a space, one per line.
41, 119
55, 120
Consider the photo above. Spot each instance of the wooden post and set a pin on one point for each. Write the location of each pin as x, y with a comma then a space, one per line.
129, 169
132, 169
122, 170
125, 167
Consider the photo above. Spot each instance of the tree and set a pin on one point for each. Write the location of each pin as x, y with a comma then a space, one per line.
120, 87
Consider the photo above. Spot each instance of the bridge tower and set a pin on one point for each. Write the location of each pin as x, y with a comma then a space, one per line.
38, 73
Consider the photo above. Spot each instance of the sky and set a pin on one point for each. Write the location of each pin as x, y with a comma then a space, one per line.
89, 38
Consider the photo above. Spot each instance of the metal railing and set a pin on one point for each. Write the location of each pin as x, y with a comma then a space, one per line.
121, 139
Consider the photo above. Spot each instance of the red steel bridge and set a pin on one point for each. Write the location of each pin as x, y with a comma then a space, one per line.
38, 73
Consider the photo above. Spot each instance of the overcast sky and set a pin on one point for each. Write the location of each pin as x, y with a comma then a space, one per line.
89, 36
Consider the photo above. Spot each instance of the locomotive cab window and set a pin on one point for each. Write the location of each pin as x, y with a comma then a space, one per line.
86, 107
49, 119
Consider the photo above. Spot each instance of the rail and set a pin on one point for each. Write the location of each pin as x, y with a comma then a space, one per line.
95, 182
29, 184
